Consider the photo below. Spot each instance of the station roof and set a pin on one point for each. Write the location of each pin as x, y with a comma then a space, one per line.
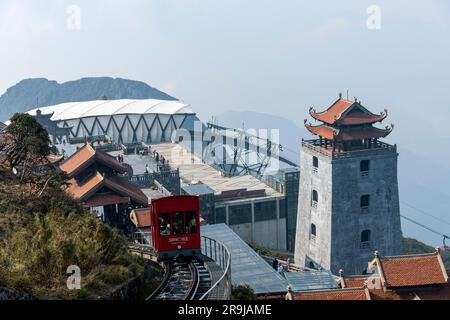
311, 280
76, 110
192, 169
247, 267
197, 189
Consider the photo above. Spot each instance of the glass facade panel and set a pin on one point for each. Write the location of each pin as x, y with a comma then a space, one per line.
240, 214
221, 215
266, 210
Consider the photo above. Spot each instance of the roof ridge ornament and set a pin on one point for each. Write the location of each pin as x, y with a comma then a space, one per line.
390, 128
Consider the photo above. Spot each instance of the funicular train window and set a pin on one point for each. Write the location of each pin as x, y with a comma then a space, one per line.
164, 224
178, 223
191, 222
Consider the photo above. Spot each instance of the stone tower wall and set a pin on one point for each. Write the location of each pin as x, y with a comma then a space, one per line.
339, 218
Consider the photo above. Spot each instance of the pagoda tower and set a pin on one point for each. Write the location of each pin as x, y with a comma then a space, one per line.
348, 195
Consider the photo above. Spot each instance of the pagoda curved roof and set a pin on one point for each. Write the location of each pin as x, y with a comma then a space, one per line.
346, 112
85, 156
83, 192
343, 134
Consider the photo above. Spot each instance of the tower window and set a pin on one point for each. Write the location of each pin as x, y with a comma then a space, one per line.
315, 164
364, 167
364, 202
315, 198
365, 239
313, 231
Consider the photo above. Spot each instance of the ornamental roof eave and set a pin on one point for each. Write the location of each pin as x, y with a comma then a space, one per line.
332, 133
338, 113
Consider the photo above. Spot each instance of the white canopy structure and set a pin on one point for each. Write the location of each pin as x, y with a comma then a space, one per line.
125, 121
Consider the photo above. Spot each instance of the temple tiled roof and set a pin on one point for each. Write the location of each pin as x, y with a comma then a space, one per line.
408, 277
411, 270
353, 281
87, 189
87, 155
344, 134
141, 217
334, 294
346, 112
105, 199
84, 190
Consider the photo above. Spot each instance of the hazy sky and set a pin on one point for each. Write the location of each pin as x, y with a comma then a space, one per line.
272, 56
277, 57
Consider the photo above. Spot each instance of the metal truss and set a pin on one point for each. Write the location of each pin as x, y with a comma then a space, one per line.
127, 128
237, 152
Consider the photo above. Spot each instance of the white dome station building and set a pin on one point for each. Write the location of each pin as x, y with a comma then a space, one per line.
124, 121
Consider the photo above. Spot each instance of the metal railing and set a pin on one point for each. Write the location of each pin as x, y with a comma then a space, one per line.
288, 265
377, 148
219, 253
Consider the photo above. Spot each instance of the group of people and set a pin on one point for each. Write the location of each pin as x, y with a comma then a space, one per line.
277, 266
120, 158
280, 269
165, 228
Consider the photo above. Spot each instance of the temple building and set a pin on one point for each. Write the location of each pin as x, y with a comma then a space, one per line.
95, 180
407, 277
348, 195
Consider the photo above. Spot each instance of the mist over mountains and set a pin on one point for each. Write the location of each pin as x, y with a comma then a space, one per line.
29, 93
423, 182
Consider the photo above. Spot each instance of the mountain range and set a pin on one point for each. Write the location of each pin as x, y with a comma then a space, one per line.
40, 92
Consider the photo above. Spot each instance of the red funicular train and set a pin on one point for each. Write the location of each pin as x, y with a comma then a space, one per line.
175, 226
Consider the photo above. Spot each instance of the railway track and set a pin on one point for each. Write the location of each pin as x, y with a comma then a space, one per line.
184, 279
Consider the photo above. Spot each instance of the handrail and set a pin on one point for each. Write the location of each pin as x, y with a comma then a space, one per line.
378, 148
224, 262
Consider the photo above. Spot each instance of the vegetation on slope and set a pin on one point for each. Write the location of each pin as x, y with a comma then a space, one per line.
43, 230
243, 292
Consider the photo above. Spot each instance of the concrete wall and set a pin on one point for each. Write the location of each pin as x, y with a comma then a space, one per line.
264, 233
319, 249
338, 217
382, 217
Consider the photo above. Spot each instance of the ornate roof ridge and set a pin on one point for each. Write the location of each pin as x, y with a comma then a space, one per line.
339, 109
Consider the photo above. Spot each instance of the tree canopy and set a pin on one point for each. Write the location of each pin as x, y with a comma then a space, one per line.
24, 143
